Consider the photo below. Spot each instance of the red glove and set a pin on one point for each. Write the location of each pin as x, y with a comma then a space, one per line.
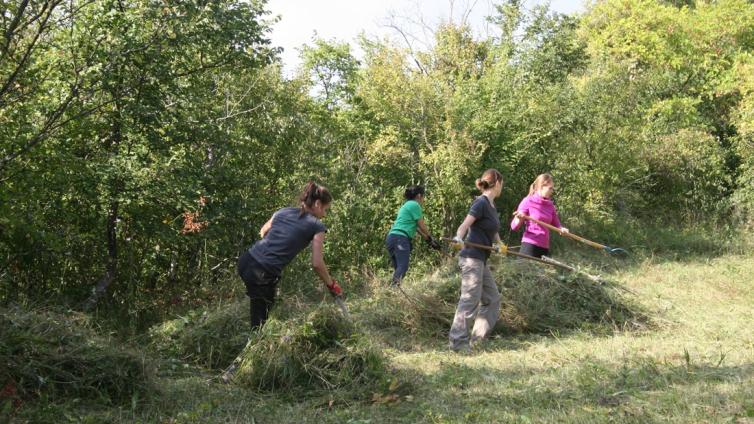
335, 289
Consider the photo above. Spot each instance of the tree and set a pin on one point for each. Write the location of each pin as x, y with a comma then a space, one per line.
331, 70
149, 70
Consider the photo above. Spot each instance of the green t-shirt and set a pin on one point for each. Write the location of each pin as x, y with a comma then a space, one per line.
408, 215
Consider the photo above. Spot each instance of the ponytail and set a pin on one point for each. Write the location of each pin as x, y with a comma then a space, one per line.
413, 191
489, 179
311, 193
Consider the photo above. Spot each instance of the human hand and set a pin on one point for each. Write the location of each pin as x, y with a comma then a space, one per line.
456, 243
564, 230
432, 243
500, 248
335, 288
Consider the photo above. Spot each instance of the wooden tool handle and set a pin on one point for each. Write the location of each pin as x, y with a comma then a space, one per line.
569, 235
508, 252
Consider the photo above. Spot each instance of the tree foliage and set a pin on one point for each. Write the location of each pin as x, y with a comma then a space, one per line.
143, 143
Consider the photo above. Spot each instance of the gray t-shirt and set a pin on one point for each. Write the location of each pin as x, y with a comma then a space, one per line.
483, 230
289, 234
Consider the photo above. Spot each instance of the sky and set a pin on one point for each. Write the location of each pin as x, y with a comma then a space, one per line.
343, 20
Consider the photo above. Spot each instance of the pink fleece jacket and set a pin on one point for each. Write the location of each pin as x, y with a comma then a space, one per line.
542, 209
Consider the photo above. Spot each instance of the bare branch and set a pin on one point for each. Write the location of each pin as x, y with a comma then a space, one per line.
12, 28
22, 63
243, 112
403, 34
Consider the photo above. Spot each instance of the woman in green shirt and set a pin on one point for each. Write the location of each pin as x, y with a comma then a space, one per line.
398, 241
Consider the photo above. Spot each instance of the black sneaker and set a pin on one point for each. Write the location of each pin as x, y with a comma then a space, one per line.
463, 349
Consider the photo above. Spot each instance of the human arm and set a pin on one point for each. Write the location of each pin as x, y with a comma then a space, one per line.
463, 229
422, 227
516, 223
523, 209
318, 263
556, 222
431, 242
265, 228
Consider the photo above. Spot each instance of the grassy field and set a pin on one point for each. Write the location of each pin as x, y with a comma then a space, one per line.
693, 361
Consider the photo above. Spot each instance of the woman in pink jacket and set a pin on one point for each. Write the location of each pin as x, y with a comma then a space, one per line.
538, 205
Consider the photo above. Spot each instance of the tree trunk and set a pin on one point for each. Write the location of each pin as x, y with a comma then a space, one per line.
111, 269
112, 258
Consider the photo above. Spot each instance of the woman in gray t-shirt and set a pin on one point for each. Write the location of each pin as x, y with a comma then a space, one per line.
284, 235
479, 303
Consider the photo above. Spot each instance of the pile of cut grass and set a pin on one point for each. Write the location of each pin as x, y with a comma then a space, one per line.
315, 351
59, 356
210, 338
535, 299
409, 311
538, 299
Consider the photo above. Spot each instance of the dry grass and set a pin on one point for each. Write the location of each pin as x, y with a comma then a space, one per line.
59, 356
316, 351
694, 362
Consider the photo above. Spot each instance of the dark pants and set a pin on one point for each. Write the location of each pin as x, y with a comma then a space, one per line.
260, 287
399, 249
533, 250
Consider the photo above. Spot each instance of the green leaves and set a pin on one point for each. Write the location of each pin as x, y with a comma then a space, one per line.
127, 117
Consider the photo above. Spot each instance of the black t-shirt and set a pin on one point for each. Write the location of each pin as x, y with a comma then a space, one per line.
483, 230
289, 234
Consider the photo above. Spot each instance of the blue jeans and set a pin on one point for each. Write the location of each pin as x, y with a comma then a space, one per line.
399, 249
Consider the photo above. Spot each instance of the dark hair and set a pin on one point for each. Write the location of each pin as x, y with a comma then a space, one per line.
313, 192
489, 179
413, 191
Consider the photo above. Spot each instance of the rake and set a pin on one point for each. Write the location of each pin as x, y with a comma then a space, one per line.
608, 249
545, 260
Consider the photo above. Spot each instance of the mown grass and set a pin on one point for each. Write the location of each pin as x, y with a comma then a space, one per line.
692, 361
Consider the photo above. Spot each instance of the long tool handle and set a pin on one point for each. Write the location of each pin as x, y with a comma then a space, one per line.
343, 308
520, 255
569, 235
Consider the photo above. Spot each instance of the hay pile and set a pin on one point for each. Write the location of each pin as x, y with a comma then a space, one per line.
414, 311
535, 299
60, 356
211, 338
314, 351
539, 299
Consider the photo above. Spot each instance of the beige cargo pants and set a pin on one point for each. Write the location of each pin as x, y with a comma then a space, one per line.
479, 304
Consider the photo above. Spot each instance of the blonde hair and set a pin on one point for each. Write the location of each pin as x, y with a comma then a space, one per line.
541, 180
489, 179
